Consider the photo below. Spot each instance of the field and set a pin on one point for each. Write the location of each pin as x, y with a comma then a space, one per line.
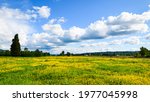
75, 70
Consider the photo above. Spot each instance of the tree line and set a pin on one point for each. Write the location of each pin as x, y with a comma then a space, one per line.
144, 52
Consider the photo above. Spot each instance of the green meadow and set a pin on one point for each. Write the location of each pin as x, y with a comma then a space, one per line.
74, 70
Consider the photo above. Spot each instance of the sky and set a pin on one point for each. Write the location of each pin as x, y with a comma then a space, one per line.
76, 26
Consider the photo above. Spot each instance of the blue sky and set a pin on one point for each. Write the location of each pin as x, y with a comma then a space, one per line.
76, 26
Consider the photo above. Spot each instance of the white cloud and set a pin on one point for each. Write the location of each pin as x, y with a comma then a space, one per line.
13, 21
55, 29
44, 38
99, 44
132, 40
147, 36
96, 30
43, 11
128, 23
61, 20
57, 21
116, 42
72, 49
52, 21
73, 34
124, 24
44, 41
16, 21
17, 14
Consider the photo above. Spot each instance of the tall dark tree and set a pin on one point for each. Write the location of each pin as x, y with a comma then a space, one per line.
15, 46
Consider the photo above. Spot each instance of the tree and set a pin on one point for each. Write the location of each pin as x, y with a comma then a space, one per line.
15, 46
143, 51
68, 54
62, 53
25, 53
38, 53
26, 49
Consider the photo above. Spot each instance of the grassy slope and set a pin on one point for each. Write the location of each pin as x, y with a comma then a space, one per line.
74, 70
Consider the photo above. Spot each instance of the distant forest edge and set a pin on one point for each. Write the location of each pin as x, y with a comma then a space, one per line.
15, 50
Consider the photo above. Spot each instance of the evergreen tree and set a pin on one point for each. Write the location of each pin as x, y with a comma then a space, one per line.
15, 46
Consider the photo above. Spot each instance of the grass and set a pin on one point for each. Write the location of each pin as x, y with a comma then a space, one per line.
74, 70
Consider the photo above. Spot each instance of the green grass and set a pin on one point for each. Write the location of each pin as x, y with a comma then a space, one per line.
74, 71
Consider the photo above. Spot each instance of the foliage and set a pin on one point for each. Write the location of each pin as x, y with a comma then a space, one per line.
113, 53
144, 52
4, 53
36, 53
62, 53
15, 46
68, 53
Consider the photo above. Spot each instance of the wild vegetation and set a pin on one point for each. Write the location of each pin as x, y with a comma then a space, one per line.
74, 70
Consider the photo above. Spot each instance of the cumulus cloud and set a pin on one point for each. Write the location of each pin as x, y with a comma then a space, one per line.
100, 44
54, 29
73, 34
124, 24
9, 13
96, 30
130, 40
13, 21
43, 11
16, 21
133, 40
128, 23
44, 41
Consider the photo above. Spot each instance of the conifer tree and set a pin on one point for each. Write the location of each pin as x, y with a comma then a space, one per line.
15, 46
